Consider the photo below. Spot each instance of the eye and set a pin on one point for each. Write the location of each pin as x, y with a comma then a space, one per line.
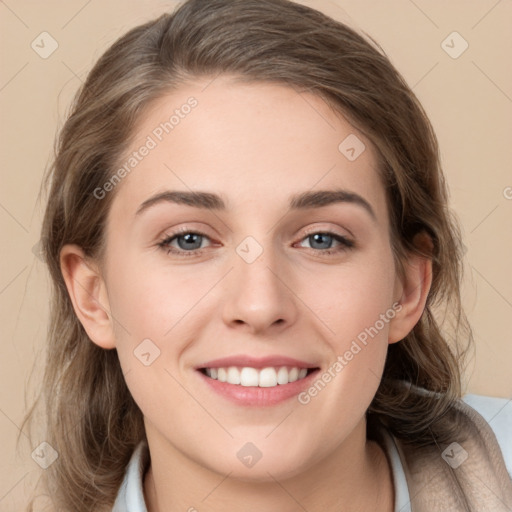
189, 243
323, 242
185, 242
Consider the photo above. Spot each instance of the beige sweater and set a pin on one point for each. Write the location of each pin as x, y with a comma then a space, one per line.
467, 475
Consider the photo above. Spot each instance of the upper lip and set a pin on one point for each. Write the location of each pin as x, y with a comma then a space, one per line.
256, 362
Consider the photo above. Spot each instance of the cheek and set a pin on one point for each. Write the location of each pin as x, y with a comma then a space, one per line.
355, 303
357, 307
150, 301
159, 311
150, 312
351, 298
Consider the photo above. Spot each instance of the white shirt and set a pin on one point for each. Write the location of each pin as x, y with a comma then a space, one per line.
496, 411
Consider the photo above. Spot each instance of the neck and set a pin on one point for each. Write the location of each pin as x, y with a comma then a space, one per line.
356, 476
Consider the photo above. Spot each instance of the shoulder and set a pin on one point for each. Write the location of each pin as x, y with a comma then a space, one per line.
467, 463
497, 412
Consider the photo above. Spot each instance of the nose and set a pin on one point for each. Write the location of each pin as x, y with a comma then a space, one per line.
259, 296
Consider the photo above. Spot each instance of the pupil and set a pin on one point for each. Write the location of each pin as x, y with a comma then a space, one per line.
191, 241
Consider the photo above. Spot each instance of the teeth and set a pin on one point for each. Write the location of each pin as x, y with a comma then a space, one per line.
246, 377
283, 375
264, 378
267, 378
233, 375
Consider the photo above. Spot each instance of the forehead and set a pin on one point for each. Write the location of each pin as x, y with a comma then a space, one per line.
250, 143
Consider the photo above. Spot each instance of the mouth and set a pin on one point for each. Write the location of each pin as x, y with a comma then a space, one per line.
269, 377
247, 386
247, 380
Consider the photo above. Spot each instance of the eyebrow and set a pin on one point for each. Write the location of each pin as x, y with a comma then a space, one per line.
327, 197
302, 201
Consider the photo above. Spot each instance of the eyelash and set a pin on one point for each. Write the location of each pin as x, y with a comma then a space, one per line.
345, 243
164, 244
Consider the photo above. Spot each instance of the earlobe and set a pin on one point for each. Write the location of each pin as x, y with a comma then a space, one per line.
88, 295
412, 296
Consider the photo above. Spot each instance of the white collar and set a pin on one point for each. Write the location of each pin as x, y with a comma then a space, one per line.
130, 497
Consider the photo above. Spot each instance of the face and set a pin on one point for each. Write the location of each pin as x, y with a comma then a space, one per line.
285, 263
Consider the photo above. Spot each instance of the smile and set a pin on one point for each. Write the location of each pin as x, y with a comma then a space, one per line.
253, 377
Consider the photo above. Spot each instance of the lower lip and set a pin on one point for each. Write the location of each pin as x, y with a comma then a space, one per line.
256, 396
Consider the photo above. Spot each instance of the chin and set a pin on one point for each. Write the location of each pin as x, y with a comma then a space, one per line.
266, 472
252, 465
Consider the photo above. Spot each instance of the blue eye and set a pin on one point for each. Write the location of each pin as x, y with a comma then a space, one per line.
324, 242
190, 243
320, 239
187, 242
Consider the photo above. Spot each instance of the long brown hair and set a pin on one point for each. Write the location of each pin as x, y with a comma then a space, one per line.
92, 420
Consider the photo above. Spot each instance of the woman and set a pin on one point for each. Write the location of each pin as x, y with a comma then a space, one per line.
248, 233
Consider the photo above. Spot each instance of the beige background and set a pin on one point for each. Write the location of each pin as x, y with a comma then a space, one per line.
469, 100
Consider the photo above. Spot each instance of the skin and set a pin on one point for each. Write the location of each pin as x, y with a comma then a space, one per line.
255, 145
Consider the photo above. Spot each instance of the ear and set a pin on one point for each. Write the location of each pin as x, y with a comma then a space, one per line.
88, 293
411, 291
